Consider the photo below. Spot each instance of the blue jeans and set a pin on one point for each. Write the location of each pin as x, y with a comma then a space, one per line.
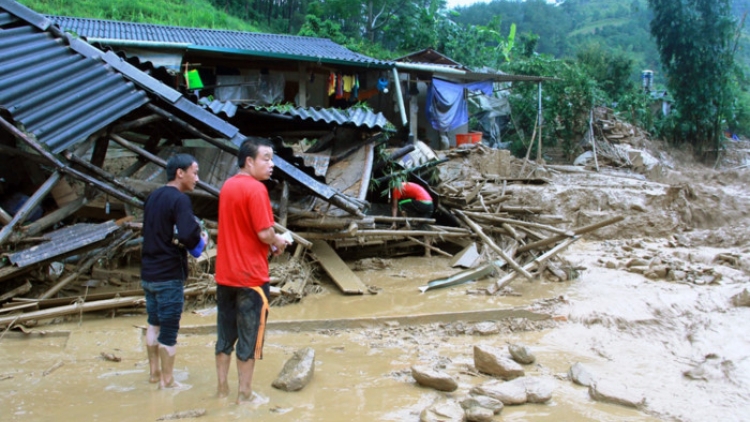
164, 301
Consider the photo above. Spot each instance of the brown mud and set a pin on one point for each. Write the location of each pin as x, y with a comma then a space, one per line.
680, 342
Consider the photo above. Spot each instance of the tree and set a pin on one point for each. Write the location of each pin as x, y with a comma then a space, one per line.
694, 39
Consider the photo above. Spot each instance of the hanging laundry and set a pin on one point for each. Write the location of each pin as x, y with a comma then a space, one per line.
331, 83
447, 107
355, 88
348, 83
339, 87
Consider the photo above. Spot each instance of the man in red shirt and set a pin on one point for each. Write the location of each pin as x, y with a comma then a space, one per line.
245, 237
411, 199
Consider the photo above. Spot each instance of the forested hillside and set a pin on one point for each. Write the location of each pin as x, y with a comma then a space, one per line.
390, 28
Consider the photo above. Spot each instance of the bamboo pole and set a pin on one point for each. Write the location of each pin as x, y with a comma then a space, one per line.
491, 243
577, 232
520, 223
430, 247
72, 309
380, 233
538, 261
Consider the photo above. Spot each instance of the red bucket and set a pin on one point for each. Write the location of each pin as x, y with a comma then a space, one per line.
468, 138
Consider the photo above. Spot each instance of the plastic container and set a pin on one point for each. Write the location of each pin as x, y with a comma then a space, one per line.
468, 138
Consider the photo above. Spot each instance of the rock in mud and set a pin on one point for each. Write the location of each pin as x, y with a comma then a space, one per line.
486, 402
447, 411
486, 328
616, 393
521, 354
428, 377
742, 298
297, 371
580, 375
507, 392
538, 390
479, 414
490, 360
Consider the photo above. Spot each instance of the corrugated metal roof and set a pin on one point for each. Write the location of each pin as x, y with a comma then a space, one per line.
352, 116
59, 95
238, 42
62, 241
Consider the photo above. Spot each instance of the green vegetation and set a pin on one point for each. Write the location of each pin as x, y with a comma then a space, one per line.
190, 13
597, 48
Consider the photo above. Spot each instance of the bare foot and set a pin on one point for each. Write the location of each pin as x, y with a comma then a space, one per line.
252, 399
174, 385
154, 377
222, 391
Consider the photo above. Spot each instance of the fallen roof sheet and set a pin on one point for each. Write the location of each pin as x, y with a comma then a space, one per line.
62, 241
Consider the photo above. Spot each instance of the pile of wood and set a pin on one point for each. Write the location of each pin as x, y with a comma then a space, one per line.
481, 206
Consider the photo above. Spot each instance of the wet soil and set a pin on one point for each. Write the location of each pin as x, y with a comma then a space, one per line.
681, 342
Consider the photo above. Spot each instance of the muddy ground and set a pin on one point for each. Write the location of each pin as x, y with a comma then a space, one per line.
653, 307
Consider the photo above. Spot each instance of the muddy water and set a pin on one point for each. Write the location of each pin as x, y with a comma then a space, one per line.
620, 326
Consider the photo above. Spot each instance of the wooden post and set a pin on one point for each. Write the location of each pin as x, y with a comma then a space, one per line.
28, 206
65, 169
284, 203
158, 161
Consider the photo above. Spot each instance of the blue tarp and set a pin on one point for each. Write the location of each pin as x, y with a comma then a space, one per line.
447, 107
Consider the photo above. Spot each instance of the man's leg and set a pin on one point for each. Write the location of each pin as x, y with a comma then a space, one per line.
152, 348
171, 300
222, 371
245, 374
167, 356
226, 335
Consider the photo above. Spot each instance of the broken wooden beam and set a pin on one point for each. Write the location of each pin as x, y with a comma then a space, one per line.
339, 272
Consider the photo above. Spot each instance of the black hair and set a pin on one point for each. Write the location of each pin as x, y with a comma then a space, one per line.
178, 161
249, 148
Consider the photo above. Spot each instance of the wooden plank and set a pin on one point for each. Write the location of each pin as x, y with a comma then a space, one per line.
335, 267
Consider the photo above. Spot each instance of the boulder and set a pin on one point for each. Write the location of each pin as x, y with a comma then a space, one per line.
428, 377
297, 371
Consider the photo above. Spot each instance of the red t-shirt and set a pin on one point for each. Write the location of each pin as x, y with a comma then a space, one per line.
412, 191
244, 210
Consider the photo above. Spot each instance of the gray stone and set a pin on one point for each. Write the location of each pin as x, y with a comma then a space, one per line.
521, 353
486, 328
486, 402
297, 371
538, 390
431, 378
742, 298
479, 414
489, 360
446, 411
507, 392
580, 375
616, 393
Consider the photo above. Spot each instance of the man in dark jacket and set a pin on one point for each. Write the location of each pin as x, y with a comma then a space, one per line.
169, 230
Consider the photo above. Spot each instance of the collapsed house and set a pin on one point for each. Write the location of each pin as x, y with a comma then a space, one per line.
89, 120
